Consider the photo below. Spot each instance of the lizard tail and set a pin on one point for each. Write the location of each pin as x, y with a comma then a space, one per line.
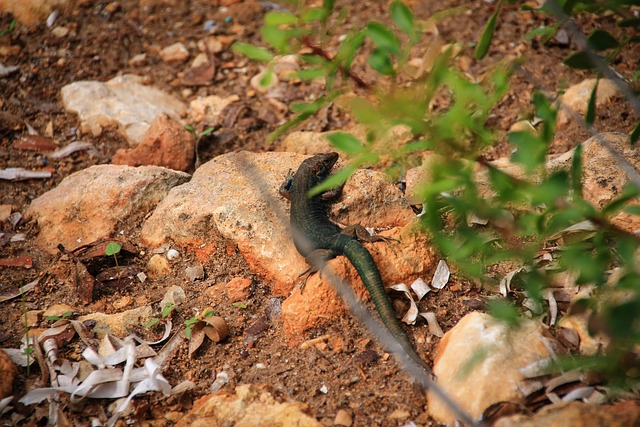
362, 260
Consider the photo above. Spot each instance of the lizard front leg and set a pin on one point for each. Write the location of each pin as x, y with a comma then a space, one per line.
361, 234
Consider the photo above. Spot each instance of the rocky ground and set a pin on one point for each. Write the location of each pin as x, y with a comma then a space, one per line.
87, 105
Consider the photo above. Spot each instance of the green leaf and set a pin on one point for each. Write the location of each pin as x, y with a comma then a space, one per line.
380, 61
167, 309
602, 40
209, 313
63, 316
635, 134
345, 142
348, 48
632, 210
308, 107
580, 61
334, 180
314, 14
383, 37
576, 171
277, 18
550, 190
207, 131
402, 17
629, 193
310, 74
632, 22
152, 323
112, 248
591, 107
505, 312
252, 52
568, 6
546, 33
266, 79
328, 5
239, 304
487, 34
276, 37
10, 28
314, 59
288, 125
190, 128
530, 151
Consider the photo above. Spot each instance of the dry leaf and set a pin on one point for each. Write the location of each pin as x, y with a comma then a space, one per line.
441, 276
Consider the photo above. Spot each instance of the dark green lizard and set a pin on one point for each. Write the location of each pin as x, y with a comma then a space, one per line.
318, 239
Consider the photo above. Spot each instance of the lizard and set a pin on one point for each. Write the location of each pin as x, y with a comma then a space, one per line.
318, 239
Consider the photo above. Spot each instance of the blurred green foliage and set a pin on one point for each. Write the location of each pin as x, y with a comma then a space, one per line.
477, 225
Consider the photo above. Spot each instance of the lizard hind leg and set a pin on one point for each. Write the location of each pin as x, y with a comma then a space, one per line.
316, 261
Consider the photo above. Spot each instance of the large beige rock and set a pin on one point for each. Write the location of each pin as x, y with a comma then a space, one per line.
577, 98
235, 197
478, 363
604, 177
31, 12
249, 406
123, 102
167, 143
319, 304
119, 324
209, 108
88, 205
578, 414
306, 142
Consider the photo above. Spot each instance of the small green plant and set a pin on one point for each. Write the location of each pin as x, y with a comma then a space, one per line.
168, 308
191, 322
113, 248
199, 135
62, 317
9, 29
239, 304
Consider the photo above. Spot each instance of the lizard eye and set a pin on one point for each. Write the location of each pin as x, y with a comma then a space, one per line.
288, 183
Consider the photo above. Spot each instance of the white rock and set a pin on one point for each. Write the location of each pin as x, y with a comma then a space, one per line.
577, 97
209, 108
172, 254
201, 59
138, 60
176, 52
478, 363
60, 32
122, 101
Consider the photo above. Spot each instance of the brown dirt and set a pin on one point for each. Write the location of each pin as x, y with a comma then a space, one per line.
99, 48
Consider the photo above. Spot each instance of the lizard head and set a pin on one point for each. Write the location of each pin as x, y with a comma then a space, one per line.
320, 165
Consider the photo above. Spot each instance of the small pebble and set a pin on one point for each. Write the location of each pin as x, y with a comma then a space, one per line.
195, 273
172, 254
343, 418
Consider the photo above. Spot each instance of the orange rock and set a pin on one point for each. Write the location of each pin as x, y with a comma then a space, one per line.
319, 304
238, 289
87, 205
476, 355
8, 372
167, 143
